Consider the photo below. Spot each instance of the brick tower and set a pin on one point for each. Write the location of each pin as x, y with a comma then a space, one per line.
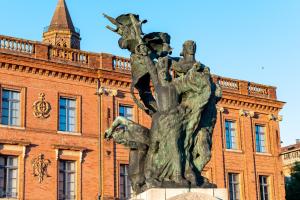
61, 31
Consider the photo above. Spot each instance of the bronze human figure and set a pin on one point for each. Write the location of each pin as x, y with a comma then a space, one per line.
174, 151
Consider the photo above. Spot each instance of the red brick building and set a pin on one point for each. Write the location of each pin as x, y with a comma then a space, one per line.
56, 100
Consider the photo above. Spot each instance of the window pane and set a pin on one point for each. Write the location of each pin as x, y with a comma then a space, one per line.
14, 121
71, 128
15, 95
260, 136
126, 111
4, 104
15, 105
62, 102
67, 180
10, 108
73, 166
67, 115
71, 103
4, 120
129, 111
122, 111
62, 120
71, 113
234, 186
1, 185
62, 127
2, 161
62, 111
264, 187
5, 112
231, 136
8, 176
5, 94
124, 182
72, 187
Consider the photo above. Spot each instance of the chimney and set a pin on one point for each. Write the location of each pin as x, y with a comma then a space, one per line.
297, 141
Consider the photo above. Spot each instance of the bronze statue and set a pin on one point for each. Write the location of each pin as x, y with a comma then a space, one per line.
174, 151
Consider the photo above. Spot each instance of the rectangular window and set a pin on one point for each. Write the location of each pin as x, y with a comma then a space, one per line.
10, 108
234, 186
67, 180
126, 111
67, 114
260, 136
8, 176
231, 135
264, 188
124, 183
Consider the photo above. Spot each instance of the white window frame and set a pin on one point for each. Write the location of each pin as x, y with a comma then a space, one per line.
66, 173
234, 186
260, 138
126, 115
67, 120
231, 135
126, 185
10, 102
8, 193
264, 187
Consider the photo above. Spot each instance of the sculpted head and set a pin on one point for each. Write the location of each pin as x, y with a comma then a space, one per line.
188, 48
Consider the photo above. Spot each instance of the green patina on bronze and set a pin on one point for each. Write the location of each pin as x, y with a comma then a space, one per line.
174, 151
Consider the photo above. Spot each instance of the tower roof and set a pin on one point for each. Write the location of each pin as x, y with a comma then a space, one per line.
61, 18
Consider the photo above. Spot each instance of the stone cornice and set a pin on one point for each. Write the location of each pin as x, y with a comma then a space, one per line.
68, 147
15, 142
86, 67
121, 80
236, 101
80, 77
65, 71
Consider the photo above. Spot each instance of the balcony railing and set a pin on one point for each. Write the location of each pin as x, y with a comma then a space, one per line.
17, 45
258, 90
69, 55
227, 83
121, 64
114, 63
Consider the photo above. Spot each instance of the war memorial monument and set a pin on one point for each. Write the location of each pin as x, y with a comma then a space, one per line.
180, 97
57, 100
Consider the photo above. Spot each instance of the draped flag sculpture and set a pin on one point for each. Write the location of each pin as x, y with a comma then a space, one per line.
182, 105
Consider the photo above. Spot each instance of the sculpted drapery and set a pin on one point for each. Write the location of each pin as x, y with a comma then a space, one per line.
174, 151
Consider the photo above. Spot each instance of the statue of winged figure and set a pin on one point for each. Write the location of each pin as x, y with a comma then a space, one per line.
181, 102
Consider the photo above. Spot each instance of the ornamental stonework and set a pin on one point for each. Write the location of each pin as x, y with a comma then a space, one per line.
40, 167
41, 107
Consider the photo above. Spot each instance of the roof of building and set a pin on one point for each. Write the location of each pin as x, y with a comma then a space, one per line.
290, 147
61, 18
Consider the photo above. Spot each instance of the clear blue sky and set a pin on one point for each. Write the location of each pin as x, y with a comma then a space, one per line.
252, 40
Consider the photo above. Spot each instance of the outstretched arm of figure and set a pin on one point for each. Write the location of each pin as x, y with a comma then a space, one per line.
113, 21
118, 121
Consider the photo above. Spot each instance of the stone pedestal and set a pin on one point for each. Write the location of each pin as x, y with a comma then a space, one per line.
183, 194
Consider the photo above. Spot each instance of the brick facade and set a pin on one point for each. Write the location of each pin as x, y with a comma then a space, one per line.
33, 68
99, 84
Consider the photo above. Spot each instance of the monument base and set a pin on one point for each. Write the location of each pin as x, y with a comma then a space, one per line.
183, 194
